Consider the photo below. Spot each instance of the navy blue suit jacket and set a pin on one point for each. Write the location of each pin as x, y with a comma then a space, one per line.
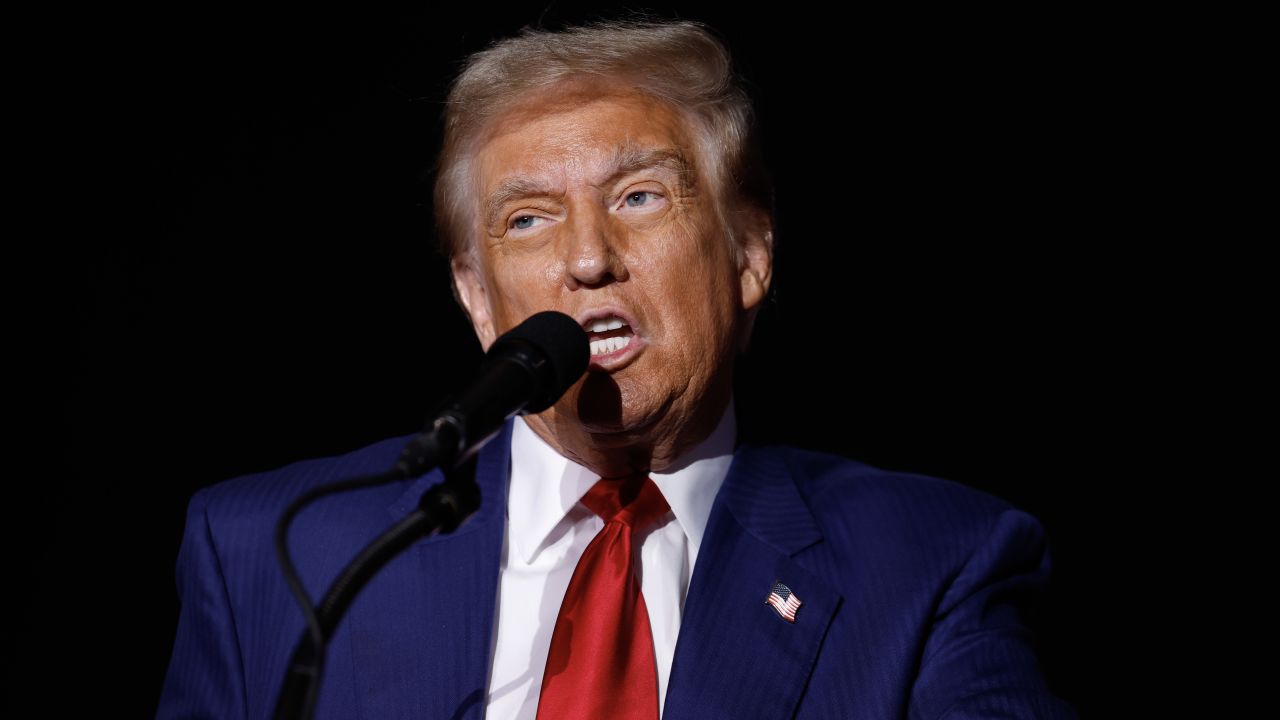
912, 589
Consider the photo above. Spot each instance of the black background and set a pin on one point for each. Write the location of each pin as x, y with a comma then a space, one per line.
245, 275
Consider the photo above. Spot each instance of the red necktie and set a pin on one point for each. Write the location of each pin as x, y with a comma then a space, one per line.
601, 662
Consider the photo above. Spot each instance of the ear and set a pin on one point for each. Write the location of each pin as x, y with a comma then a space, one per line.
755, 234
469, 289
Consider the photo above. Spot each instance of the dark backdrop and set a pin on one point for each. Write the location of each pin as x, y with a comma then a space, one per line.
250, 279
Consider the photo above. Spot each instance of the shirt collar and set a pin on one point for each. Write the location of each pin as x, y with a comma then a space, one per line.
545, 485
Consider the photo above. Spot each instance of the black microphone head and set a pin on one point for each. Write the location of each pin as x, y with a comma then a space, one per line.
554, 347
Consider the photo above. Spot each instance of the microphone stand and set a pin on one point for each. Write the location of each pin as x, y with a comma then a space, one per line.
442, 508
528, 368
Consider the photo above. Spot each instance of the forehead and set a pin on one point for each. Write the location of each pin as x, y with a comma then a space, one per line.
577, 133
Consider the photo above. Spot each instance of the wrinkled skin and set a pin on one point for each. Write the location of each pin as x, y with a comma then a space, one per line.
647, 243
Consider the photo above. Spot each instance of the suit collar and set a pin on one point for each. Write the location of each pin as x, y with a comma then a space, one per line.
760, 491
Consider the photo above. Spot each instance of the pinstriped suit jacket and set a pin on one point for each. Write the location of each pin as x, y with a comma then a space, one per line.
912, 591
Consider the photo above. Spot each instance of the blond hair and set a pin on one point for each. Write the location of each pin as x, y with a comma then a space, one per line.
679, 62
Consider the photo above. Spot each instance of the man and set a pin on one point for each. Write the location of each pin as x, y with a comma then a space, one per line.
629, 559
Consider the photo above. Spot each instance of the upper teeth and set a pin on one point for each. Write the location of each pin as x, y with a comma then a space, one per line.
605, 324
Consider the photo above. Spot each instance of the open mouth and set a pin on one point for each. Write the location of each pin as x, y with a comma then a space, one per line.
609, 336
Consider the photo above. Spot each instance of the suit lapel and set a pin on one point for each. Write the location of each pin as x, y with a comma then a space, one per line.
735, 657
422, 630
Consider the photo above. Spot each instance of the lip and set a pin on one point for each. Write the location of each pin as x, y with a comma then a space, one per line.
617, 359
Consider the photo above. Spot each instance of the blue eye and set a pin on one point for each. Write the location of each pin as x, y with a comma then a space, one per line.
640, 193
516, 224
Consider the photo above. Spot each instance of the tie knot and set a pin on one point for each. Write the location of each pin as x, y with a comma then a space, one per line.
634, 502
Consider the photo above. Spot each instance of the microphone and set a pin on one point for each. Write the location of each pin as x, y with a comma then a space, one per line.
526, 370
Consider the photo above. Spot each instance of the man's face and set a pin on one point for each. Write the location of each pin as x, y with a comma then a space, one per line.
597, 205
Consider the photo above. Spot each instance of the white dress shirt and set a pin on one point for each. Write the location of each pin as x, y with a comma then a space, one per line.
548, 529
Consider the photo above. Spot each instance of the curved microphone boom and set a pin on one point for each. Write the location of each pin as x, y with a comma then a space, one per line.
526, 370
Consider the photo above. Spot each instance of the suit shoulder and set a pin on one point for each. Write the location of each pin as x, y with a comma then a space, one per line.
839, 490
827, 476
265, 494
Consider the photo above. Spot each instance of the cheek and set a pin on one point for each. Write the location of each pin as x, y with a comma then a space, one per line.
683, 255
707, 267
692, 285
516, 289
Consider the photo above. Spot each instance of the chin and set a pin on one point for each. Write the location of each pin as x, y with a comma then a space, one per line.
607, 412
617, 429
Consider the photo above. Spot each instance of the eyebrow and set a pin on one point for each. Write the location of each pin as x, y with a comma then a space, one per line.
627, 159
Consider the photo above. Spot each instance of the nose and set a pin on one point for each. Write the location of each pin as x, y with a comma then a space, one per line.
591, 254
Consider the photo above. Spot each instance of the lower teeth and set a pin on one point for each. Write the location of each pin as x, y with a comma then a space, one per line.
604, 347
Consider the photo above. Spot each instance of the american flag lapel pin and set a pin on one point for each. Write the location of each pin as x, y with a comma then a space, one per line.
783, 601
